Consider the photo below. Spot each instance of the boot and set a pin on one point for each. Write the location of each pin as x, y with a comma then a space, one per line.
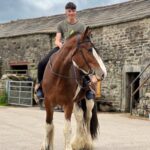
38, 94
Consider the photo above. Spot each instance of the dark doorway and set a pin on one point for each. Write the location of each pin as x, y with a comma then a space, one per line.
130, 76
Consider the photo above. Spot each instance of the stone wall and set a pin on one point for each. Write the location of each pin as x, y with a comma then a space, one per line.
2, 87
121, 46
30, 48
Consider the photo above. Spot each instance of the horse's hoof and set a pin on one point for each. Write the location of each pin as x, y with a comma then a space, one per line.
69, 148
45, 147
85, 146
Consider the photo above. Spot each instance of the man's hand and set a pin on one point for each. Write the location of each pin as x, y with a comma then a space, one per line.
60, 45
58, 40
93, 82
93, 79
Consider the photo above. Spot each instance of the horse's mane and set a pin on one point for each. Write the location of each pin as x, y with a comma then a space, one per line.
76, 33
72, 35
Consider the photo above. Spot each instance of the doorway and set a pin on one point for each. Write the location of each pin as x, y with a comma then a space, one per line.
130, 76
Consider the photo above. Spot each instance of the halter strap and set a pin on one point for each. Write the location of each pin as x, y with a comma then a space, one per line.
78, 46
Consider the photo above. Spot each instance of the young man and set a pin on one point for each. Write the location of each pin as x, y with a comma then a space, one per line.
67, 27
64, 29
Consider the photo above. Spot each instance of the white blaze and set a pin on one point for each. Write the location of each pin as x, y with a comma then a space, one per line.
100, 62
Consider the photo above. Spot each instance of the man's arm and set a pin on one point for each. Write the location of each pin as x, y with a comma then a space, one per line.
58, 40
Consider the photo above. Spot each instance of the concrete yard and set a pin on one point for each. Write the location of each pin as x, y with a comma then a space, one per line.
23, 129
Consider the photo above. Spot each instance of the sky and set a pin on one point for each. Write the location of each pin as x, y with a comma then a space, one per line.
23, 9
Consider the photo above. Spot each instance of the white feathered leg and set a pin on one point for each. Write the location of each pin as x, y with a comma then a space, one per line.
89, 105
81, 139
67, 134
48, 138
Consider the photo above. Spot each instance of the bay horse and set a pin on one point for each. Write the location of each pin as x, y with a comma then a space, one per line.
61, 87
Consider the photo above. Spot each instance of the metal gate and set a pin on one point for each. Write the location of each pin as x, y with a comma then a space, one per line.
20, 93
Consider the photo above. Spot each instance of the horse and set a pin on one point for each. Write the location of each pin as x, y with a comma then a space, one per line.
61, 86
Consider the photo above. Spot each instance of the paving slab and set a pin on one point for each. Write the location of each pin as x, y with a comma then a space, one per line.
22, 128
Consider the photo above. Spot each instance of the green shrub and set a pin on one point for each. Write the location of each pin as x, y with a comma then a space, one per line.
3, 99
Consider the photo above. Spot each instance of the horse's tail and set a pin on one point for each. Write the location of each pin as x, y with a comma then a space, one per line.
94, 125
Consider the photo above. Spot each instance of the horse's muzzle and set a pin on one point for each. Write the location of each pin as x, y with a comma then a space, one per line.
99, 75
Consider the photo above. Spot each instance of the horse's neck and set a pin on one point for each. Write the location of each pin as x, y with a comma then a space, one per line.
62, 61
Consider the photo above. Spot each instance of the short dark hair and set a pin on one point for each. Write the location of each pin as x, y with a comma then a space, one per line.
70, 5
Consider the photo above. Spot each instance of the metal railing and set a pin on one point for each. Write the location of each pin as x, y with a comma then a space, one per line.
139, 87
20, 93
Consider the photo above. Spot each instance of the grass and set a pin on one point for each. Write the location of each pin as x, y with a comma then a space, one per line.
3, 99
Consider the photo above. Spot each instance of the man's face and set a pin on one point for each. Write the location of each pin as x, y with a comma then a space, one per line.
71, 13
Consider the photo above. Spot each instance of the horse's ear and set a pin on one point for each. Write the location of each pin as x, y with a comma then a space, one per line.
86, 33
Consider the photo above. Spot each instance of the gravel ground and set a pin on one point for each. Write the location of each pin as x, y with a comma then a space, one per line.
23, 129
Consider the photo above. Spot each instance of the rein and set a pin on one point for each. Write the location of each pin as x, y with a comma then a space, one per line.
61, 75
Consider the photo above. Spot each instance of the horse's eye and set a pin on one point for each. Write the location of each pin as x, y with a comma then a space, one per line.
90, 49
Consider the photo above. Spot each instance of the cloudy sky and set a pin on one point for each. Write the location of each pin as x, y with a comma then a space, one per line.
22, 9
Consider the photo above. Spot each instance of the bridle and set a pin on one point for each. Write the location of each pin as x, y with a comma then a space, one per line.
91, 72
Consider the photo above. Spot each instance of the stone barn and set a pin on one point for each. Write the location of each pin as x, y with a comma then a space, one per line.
121, 32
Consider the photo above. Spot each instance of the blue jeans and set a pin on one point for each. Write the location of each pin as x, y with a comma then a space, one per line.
89, 93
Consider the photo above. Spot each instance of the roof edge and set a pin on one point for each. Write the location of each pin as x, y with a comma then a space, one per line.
102, 7
92, 26
28, 34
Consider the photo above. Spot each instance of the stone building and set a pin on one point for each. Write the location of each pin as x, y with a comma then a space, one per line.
121, 32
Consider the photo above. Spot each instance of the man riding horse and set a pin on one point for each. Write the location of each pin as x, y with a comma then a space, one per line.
64, 79
64, 29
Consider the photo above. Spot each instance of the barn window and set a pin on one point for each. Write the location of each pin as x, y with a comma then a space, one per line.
19, 67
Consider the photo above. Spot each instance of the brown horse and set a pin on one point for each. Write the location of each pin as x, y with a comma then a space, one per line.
61, 86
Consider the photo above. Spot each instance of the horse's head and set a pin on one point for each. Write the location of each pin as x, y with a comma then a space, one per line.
85, 56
